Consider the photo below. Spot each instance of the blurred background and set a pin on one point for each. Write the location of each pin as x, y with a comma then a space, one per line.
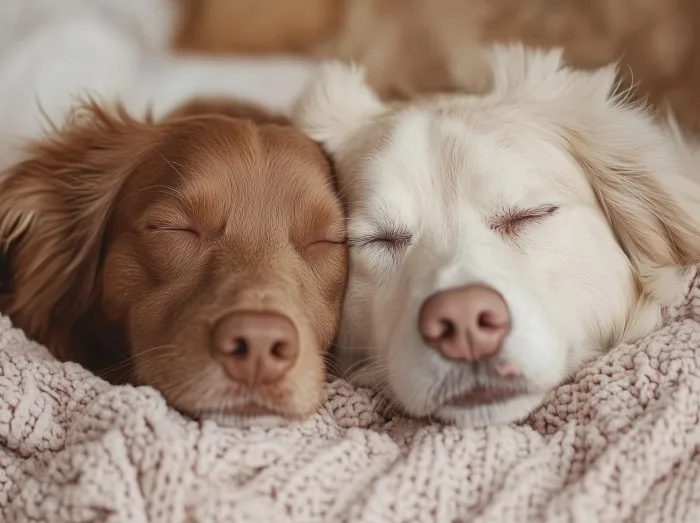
412, 47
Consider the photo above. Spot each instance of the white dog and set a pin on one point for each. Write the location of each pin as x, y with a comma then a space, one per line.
501, 241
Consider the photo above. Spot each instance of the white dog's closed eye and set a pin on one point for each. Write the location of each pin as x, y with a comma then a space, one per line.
387, 238
380, 249
541, 229
512, 221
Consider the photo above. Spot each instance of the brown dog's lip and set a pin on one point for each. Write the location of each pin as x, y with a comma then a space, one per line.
251, 410
248, 409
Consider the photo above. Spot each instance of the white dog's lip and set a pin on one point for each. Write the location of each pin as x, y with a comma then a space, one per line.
480, 396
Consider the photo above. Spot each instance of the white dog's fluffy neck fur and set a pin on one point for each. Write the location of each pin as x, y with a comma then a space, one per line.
597, 272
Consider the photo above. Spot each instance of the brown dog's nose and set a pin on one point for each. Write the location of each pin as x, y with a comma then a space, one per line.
255, 348
466, 323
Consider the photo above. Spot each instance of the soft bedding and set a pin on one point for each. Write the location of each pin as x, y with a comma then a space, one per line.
621, 442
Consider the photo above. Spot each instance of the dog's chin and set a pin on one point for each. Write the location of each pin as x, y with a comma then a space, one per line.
509, 410
269, 421
248, 415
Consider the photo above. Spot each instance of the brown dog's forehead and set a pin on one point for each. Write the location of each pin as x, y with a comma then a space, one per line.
242, 152
217, 167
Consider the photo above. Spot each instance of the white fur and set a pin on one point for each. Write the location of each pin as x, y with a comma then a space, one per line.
337, 104
442, 169
53, 51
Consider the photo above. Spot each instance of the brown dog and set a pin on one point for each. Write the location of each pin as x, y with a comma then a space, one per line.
203, 255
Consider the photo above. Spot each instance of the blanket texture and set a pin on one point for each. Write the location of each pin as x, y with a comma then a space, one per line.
621, 442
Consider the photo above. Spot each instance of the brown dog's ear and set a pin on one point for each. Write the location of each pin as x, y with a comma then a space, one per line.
54, 208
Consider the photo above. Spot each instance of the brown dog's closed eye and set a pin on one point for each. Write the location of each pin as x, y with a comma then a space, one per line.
130, 243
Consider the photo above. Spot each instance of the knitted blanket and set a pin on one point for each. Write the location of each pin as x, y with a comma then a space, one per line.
621, 442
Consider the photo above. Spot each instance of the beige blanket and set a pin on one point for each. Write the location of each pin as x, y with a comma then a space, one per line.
621, 443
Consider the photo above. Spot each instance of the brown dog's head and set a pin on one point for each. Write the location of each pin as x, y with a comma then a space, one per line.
203, 255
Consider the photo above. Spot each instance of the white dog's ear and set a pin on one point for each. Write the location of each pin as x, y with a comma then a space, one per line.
336, 103
627, 155
537, 75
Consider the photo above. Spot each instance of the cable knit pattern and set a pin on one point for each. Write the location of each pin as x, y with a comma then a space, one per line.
619, 443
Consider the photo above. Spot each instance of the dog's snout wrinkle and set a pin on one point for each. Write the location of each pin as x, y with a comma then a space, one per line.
255, 348
466, 323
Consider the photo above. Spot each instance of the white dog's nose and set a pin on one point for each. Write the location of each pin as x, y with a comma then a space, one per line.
467, 323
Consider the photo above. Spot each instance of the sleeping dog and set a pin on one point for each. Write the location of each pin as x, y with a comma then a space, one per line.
501, 241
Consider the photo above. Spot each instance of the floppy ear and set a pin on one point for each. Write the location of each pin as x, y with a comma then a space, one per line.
654, 229
626, 154
336, 103
54, 208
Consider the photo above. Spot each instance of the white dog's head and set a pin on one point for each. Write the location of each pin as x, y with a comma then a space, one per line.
498, 242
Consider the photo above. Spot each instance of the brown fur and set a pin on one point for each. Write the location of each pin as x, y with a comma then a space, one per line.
418, 46
129, 238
